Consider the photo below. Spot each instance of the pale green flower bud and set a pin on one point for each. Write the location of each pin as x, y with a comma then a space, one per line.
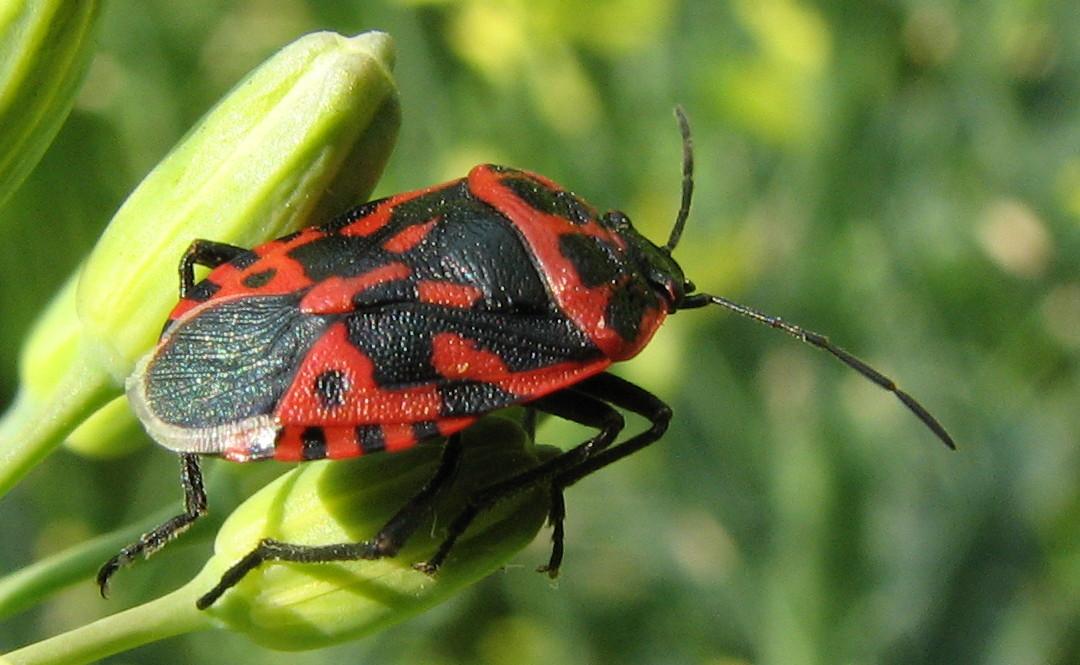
112, 431
304, 136
305, 606
47, 355
45, 49
308, 606
255, 167
50, 349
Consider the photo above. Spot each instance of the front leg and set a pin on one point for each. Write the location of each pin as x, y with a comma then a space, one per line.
204, 253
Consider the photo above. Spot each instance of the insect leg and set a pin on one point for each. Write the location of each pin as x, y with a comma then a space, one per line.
630, 397
397, 530
390, 539
570, 404
191, 480
204, 253
624, 395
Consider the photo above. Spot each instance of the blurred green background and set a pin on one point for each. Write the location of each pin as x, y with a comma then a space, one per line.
901, 175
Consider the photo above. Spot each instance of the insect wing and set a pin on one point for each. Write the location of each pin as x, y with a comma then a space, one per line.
214, 380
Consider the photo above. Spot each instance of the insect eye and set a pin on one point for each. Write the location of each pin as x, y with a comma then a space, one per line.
671, 289
616, 221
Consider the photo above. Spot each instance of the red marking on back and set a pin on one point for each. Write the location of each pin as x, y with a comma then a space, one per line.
587, 307
409, 237
289, 447
334, 295
448, 293
365, 401
456, 357
369, 223
398, 436
544, 381
384, 212
289, 276
341, 442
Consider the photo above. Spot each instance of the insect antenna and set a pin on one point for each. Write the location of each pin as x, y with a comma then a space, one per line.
822, 342
693, 300
687, 180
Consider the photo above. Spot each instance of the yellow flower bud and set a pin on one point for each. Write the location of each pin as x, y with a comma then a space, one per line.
52, 345
112, 431
47, 355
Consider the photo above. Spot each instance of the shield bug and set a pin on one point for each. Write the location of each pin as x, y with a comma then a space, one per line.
409, 318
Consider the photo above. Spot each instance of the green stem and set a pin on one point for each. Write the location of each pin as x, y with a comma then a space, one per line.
33, 584
172, 614
30, 429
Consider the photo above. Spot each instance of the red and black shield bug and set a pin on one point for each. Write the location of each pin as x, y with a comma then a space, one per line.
409, 318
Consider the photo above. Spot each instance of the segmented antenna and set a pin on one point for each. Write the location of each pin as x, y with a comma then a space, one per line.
687, 180
693, 300
822, 342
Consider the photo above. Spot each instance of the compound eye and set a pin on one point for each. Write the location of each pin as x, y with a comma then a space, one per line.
616, 221
678, 292
670, 289
675, 292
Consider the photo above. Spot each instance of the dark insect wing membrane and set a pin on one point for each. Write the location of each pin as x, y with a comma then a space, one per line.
228, 361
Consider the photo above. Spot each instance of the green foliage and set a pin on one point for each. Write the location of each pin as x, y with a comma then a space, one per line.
903, 176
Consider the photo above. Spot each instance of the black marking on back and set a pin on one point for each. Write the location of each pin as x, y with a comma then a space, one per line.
469, 397
244, 260
313, 443
626, 309
540, 197
475, 245
331, 388
259, 279
471, 244
425, 429
427, 206
594, 261
350, 216
202, 291
399, 341
336, 256
370, 438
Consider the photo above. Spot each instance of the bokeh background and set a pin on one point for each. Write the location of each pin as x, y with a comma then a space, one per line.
903, 175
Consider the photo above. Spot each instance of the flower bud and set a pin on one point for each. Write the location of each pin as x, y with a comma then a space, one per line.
45, 49
51, 346
293, 606
309, 130
254, 168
